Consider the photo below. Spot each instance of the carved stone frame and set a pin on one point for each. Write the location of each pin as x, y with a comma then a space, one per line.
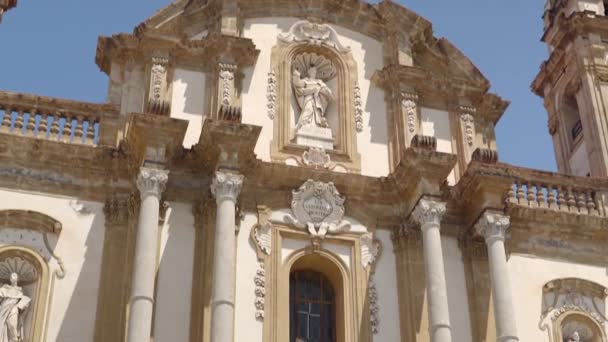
350, 284
38, 311
282, 146
579, 316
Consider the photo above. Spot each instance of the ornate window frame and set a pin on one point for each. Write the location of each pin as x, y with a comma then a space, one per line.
282, 147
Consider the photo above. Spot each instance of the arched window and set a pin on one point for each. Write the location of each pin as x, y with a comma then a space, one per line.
311, 308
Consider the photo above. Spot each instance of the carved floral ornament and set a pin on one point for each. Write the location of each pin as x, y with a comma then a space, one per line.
318, 34
468, 121
409, 106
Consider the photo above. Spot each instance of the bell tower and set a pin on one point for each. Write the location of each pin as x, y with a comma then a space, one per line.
574, 84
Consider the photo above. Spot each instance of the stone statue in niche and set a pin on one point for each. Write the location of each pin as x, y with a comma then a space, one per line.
314, 97
575, 337
13, 309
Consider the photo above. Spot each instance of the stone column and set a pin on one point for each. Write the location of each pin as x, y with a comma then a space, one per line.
151, 183
428, 214
493, 226
226, 188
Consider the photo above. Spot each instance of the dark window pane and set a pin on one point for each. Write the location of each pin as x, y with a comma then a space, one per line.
311, 308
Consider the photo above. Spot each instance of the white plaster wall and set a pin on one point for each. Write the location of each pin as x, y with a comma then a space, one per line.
457, 290
386, 284
174, 282
372, 142
436, 123
71, 312
188, 102
133, 90
247, 327
579, 161
529, 275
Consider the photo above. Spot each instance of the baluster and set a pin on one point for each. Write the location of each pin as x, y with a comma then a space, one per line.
581, 202
520, 194
591, 204
66, 135
551, 200
571, 201
90, 139
78, 130
531, 196
561, 199
5, 127
54, 135
42, 126
30, 125
511, 194
540, 195
18, 121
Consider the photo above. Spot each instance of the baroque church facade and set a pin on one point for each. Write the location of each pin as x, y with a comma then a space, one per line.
321, 171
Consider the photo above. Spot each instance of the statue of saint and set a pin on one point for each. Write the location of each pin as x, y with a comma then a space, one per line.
13, 304
313, 97
575, 337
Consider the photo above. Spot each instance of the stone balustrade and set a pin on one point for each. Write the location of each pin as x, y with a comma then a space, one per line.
51, 118
556, 192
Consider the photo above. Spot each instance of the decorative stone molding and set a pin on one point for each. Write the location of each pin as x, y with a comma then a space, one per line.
262, 237
317, 158
429, 212
260, 291
468, 122
409, 105
118, 208
151, 182
80, 207
226, 186
370, 250
318, 207
579, 297
485, 155
492, 226
358, 107
158, 99
271, 94
226, 80
424, 141
374, 307
317, 34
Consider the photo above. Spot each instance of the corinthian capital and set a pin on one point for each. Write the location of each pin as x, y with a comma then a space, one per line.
226, 186
151, 182
492, 226
428, 212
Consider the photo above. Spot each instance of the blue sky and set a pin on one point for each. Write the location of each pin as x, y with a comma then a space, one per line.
48, 48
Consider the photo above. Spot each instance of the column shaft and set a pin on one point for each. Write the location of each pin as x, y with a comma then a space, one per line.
226, 188
429, 213
150, 183
439, 315
493, 227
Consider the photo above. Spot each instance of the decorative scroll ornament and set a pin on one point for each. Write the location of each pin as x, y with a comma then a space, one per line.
374, 308
409, 107
262, 237
271, 94
24, 269
227, 82
316, 157
358, 107
260, 292
318, 34
158, 85
318, 207
370, 249
469, 127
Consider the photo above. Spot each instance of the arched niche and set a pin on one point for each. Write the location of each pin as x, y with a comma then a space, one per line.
282, 63
33, 273
573, 305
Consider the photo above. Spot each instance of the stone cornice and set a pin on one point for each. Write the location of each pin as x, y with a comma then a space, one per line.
204, 54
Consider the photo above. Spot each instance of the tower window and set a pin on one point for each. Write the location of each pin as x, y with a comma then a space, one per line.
312, 308
572, 118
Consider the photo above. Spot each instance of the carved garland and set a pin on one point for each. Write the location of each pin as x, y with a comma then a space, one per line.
409, 106
271, 95
469, 124
374, 308
260, 291
358, 107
